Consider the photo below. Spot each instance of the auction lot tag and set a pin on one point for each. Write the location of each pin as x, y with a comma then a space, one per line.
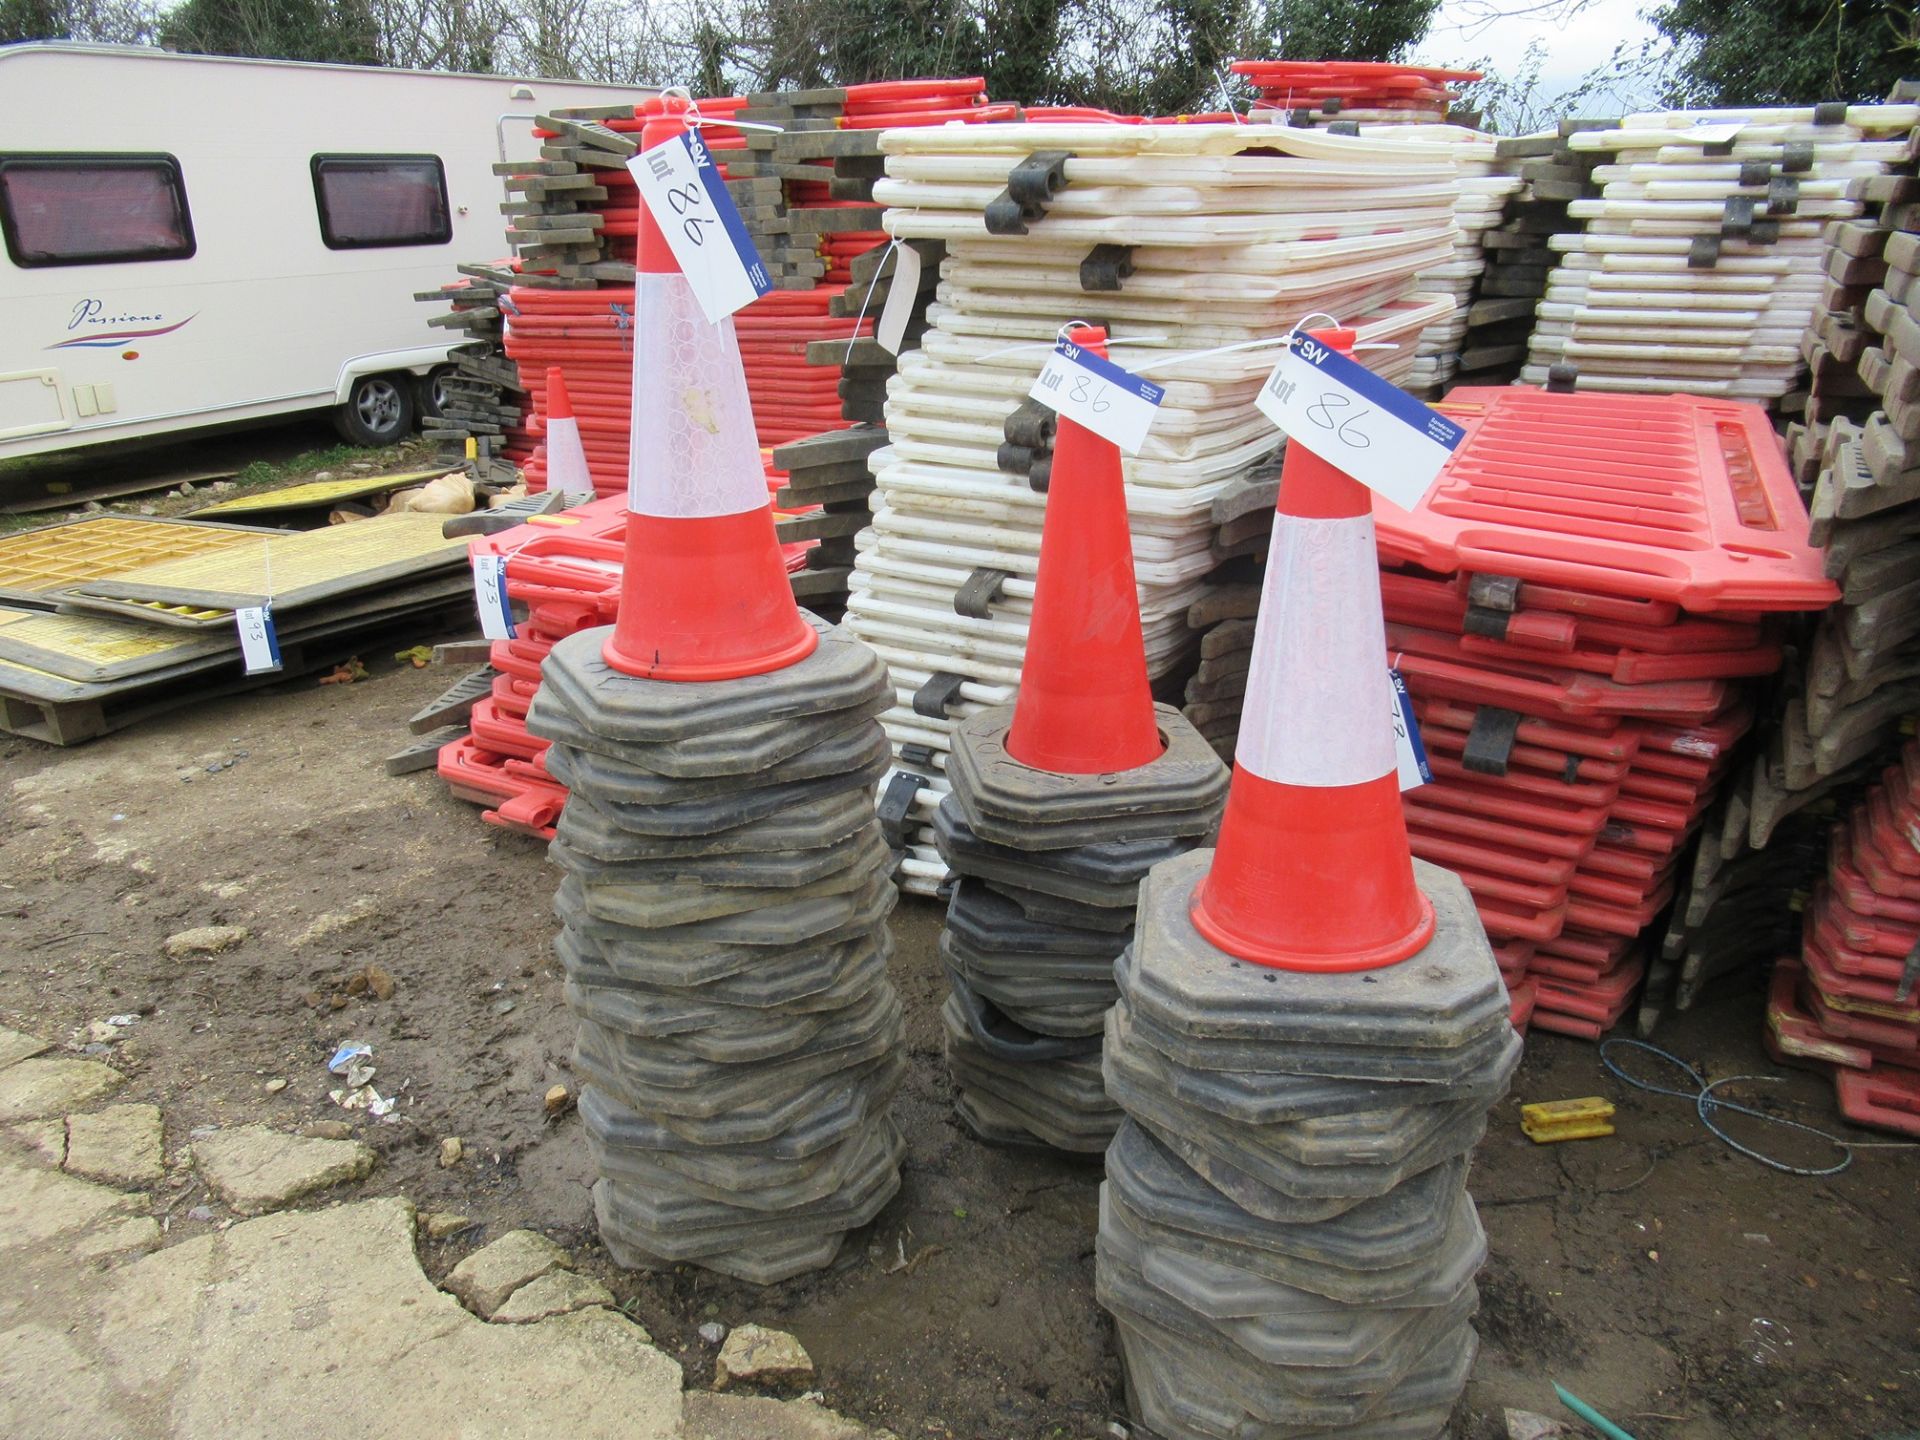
689, 201
891, 328
490, 597
1115, 404
1347, 415
1409, 752
259, 642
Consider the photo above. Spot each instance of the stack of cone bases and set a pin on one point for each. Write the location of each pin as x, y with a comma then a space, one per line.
1580, 609
1310, 1030
725, 896
1060, 803
1848, 1002
1190, 237
564, 573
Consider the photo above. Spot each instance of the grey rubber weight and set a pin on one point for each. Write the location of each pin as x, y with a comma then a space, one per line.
723, 907
1286, 1243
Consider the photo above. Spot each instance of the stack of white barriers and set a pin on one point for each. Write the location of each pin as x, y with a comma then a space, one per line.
1701, 263
1178, 239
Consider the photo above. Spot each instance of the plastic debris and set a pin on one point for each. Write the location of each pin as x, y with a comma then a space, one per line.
1549, 1121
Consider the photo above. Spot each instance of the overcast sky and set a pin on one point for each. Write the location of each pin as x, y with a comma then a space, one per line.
1578, 34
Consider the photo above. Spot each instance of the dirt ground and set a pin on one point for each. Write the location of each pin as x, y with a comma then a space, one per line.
1686, 1291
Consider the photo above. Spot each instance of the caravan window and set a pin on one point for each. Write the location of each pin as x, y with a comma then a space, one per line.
376, 200
93, 209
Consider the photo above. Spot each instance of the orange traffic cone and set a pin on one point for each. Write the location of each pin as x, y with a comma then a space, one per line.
705, 594
1084, 707
566, 456
1312, 870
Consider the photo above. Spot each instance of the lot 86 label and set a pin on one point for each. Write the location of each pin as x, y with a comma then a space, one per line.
1115, 404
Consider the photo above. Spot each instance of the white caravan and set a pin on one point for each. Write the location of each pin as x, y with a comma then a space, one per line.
194, 240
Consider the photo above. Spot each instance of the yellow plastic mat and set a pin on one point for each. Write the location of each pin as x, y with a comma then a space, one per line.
34, 563
316, 493
92, 648
288, 571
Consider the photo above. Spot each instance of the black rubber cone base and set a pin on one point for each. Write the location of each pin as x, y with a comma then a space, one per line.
1439, 1016
704, 718
1178, 794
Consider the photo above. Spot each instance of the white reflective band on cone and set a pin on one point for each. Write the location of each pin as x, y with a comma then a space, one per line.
694, 451
567, 458
1319, 705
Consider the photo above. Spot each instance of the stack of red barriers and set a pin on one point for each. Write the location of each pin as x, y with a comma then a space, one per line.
1848, 1002
1576, 607
1371, 92
588, 334
565, 570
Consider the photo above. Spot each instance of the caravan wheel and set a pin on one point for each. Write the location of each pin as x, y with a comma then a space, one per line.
379, 410
430, 397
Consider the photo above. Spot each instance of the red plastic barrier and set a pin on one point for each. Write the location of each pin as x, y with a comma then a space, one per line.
1666, 497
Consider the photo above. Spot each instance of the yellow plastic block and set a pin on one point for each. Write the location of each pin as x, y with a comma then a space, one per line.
1548, 1121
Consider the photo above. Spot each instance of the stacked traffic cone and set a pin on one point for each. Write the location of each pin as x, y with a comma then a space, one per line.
1061, 802
726, 894
566, 457
1310, 1031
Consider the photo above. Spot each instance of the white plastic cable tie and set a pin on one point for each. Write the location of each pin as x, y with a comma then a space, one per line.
1060, 335
1225, 97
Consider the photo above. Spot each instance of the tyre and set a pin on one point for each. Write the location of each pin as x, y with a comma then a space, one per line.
379, 410
430, 391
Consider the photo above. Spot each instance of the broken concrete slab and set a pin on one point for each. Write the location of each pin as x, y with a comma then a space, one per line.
760, 1356
483, 1281
136, 1234
204, 940
47, 1139
30, 1089
439, 1224
558, 1292
120, 1145
39, 1206
255, 1169
269, 1315
756, 1417
17, 1045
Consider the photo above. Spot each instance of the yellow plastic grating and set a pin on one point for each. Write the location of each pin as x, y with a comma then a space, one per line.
289, 570
316, 493
37, 562
91, 649
1550, 1120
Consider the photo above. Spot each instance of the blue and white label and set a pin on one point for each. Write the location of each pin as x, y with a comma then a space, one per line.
259, 642
682, 188
490, 597
1093, 392
1351, 418
1409, 753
